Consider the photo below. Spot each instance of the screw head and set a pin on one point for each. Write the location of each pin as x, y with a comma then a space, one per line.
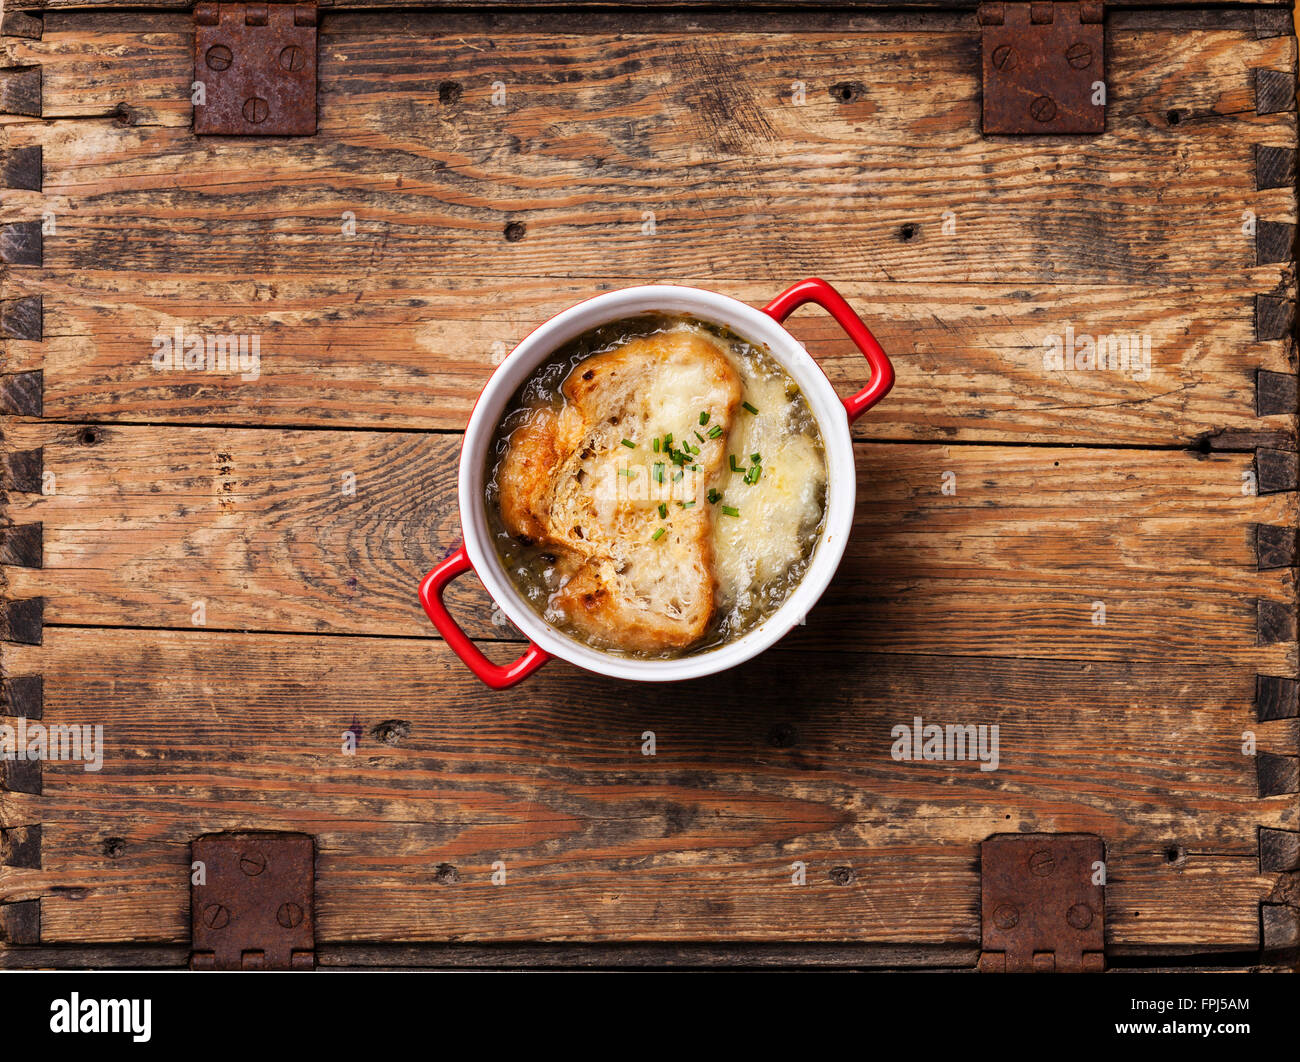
1042, 862
1043, 109
219, 57
1006, 917
255, 110
292, 58
215, 916
1004, 57
289, 915
1079, 916
1079, 55
252, 863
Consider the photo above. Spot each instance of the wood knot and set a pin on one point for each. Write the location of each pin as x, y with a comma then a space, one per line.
515, 231
843, 875
113, 847
450, 92
391, 731
446, 874
89, 436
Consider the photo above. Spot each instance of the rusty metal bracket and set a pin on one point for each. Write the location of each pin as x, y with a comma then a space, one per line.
255, 69
253, 901
1042, 904
1044, 67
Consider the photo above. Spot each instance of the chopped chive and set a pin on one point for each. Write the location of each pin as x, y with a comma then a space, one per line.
715, 431
657, 535
749, 407
626, 472
730, 511
629, 444
704, 419
687, 505
699, 436
668, 439
656, 444
663, 511
659, 471
677, 476
714, 495
756, 458
695, 468
734, 467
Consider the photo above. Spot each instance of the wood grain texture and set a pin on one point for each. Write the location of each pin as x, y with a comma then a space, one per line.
400, 324
210, 731
596, 135
255, 523
414, 352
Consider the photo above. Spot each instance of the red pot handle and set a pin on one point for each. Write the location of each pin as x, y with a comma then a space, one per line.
830, 300
494, 675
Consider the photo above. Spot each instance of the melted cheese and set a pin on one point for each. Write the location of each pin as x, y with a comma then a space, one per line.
776, 513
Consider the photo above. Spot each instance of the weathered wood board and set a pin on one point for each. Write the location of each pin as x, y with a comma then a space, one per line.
1101, 562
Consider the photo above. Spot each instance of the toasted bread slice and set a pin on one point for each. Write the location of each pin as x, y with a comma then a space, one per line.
569, 481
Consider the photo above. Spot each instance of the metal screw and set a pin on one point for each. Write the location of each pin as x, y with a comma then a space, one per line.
1079, 916
1042, 862
215, 916
255, 110
1006, 917
1004, 57
1043, 109
219, 57
289, 915
291, 58
252, 863
1078, 55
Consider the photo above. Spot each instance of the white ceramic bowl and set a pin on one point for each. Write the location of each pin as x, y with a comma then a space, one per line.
760, 327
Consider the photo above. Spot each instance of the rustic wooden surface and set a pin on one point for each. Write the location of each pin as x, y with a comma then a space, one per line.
1170, 500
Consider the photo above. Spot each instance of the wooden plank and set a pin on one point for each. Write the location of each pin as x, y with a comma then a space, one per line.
144, 522
208, 731
408, 313
596, 136
410, 310
401, 351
